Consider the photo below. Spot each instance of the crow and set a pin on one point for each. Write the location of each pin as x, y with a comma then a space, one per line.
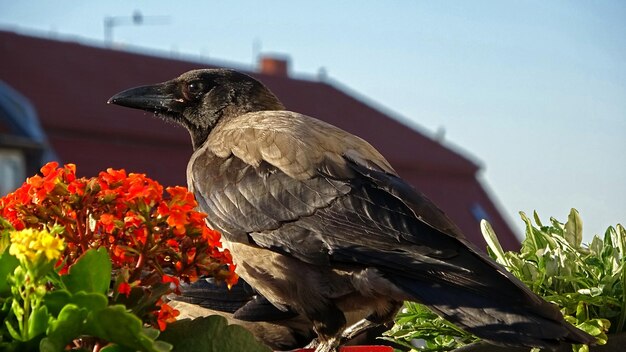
319, 222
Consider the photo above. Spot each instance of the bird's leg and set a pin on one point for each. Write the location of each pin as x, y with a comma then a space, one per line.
329, 345
371, 321
328, 325
313, 344
357, 328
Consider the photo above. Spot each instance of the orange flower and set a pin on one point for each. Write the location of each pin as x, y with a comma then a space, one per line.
211, 236
163, 209
49, 168
177, 220
111, 177
108, 221
166, 315
77, 187
181, 195
232, 279
170, 279
172, 243
124, 288
141, 235
70, 172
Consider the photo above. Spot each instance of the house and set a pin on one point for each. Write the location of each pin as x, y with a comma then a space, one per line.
68, 84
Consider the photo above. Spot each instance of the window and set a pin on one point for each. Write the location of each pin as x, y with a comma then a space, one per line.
12, 170
479, 212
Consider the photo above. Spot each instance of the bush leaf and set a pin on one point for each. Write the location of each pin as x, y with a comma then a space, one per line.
64, 329
116, 324
8, 263
90, 273
574, 229
210, 334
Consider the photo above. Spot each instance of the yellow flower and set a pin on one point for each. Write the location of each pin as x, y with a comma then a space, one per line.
29, 245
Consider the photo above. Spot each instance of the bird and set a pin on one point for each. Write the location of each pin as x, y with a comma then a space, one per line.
319, 222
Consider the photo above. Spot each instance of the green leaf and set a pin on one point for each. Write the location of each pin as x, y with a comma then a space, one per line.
38, 321
8, 263
141, 301
57, 300
90, 273
114, 348
210, 334
90, 301
537, 219
492, 241
68, 326
116, 324
591, 327
574, 229
12, 331
151, 332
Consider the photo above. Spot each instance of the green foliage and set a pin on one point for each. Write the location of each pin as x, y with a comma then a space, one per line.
8, 263
78, 307
86, 310
417, 322
210, 334
587, 282
91, 274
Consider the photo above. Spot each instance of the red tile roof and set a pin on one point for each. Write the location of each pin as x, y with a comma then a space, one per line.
69, 84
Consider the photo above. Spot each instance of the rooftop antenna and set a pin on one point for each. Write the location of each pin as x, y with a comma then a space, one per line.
110, 22
256, 51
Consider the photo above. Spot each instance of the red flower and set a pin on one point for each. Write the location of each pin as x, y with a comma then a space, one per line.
163, 209
107, 220
177, 220
70, 172
111, 177
172, 243
231, 280
49, 168
63, 268
166, 315
211, 236
167, 279
124, 288
141, 235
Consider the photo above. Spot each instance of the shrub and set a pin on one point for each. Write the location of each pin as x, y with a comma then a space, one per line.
587, 282
61, 239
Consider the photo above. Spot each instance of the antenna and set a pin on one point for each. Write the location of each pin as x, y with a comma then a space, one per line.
256, 51
110, 22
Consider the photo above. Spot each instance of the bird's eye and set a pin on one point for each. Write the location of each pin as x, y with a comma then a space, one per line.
193, 90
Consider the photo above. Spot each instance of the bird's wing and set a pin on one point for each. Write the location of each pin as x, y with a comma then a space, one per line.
297, 185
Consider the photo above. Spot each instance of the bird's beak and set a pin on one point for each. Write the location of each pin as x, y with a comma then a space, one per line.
156, 98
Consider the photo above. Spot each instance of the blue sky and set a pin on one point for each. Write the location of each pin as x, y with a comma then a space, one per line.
535, 91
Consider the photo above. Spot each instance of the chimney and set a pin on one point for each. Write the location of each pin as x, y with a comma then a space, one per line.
274, 65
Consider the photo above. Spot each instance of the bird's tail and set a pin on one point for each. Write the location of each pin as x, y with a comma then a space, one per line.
492, 304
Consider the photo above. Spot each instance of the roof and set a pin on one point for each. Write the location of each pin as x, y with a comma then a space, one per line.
69, 84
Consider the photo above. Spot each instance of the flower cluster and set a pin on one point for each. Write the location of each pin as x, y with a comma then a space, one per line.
152, 239
29, 245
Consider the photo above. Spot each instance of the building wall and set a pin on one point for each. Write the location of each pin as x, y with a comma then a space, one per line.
69, 84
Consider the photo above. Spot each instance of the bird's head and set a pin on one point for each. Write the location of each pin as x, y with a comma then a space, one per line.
199, 99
